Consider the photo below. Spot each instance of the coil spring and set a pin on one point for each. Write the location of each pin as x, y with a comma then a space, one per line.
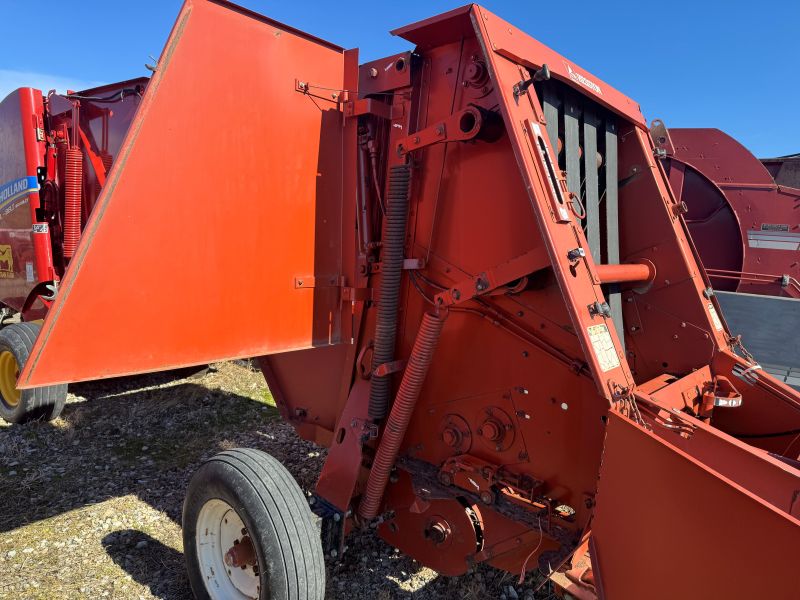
73, 182
107, 160
402, 409
391, 274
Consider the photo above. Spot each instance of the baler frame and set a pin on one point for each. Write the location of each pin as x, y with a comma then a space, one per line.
399, 216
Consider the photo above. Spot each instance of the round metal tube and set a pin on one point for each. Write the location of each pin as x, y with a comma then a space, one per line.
629, 273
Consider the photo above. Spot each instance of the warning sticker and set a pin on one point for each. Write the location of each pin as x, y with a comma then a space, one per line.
715, 317
774, 227
603, 347
6, 262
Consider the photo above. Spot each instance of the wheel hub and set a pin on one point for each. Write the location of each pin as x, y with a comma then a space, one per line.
9, 372
226, 553
242, 554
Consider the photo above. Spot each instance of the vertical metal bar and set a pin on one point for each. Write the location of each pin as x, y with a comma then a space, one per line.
591, 185
572, 114
612, 223
550, 104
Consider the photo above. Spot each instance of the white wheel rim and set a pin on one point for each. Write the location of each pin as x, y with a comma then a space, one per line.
218, 528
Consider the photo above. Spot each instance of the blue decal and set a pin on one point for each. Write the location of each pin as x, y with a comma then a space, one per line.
13, 190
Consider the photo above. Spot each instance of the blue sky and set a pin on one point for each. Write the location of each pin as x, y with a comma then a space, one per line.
732, 65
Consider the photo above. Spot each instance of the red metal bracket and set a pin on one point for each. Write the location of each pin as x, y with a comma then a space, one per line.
487, 481
389, 368
311, 281
349, 294
409, 264
335, 96
488, 281
461, 126
369, 106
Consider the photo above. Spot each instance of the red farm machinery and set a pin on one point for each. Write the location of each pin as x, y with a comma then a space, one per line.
742, 213
464, 272
55, 154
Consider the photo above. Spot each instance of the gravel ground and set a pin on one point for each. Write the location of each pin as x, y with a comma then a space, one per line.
90, 504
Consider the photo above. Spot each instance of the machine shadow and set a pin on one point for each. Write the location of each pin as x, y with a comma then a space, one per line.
162, 570
149, 562
142, 436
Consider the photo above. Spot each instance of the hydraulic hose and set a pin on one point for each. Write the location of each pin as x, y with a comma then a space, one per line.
73, 181
402, 409
391, 272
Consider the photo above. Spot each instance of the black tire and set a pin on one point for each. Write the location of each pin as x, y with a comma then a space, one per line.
44, 403
275, 513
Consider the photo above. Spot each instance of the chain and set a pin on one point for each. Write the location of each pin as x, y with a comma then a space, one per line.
736, 343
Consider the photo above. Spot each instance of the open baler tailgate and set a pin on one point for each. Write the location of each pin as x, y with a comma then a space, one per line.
224, 208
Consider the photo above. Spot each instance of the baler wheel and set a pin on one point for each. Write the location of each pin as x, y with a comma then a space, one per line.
248, 531
21, 406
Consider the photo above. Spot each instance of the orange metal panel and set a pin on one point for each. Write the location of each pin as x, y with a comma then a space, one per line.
227, 194
667, 525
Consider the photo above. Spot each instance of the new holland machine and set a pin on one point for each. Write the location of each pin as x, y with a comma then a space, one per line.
55, 153
464, 272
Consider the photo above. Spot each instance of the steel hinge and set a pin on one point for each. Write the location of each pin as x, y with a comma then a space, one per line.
311, 281
348, 293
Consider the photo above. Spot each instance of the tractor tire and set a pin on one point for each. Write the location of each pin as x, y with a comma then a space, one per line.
248, 531
21, 406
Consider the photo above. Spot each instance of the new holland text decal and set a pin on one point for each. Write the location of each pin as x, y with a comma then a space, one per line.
14, 192
583, 80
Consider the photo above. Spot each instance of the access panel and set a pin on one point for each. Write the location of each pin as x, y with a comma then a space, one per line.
224, 208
